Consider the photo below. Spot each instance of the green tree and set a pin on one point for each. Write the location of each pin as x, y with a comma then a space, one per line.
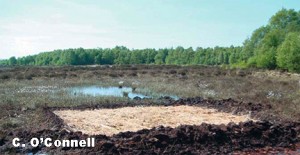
266, 58
288, 55
283, 18
107, 57
160, 57
251, 44
12, 61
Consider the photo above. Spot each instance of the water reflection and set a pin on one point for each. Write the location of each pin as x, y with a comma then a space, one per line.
108, 91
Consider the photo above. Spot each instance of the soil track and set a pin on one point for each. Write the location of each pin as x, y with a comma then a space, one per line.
186, 139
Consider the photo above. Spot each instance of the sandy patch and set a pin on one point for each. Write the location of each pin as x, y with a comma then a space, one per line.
112, 121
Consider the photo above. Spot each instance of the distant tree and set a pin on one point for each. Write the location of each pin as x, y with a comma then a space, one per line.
98, 58
107, 57
266, 58
220, 57
233, 58
283, 18
149, 56
160, 57
266, 52
136, 57
12, 61
251, 44
288, 55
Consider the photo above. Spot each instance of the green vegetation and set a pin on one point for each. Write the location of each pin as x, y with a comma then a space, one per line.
122, 55
288, 55
274, 46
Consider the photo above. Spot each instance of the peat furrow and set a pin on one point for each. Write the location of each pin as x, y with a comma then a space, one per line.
226, 105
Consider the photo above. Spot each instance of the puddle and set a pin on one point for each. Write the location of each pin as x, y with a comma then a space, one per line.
94, 91
111, 91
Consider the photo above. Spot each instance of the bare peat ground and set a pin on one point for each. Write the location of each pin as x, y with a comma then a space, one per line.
114, 121
244, 137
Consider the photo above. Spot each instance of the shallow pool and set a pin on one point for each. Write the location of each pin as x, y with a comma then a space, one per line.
112, 91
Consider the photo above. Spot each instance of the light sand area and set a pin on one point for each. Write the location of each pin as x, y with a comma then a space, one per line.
112, 121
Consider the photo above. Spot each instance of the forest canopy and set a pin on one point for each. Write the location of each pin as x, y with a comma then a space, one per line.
273, 46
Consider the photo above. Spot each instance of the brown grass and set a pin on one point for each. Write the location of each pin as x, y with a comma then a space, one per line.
112, 121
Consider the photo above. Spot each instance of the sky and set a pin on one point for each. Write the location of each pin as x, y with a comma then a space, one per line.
28, 27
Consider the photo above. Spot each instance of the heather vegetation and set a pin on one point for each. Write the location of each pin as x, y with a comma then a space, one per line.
273, 46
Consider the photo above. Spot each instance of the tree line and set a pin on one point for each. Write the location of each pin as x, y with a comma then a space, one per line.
123, 55
273, 46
